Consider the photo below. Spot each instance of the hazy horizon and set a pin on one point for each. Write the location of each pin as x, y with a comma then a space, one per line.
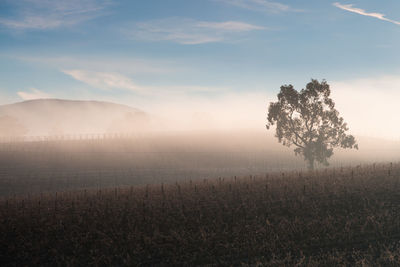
199, 132
214, 64
228, 114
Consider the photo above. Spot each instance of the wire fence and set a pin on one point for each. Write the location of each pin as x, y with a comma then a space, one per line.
69, 137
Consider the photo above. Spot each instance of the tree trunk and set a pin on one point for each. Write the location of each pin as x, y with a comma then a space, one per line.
311, 164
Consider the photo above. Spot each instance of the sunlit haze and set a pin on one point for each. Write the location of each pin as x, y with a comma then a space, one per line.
213, 64
199, 133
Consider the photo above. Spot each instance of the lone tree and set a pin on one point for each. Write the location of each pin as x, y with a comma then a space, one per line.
308, 119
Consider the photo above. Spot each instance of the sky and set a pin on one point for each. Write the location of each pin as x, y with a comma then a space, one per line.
219, 60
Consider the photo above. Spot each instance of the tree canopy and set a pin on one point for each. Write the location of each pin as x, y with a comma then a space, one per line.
308, 120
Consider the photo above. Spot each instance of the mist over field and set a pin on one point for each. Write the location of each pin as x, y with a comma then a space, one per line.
66, 145
199, 133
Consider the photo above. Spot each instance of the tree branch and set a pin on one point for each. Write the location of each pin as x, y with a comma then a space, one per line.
294, 132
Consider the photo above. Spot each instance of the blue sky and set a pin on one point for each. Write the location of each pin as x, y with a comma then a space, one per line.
144, 52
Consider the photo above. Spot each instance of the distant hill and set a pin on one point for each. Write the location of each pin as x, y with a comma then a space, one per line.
58, 117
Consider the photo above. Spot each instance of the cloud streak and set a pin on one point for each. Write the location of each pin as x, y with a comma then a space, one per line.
189, 31
50, 14
265, 6
33, 94
360, 11
233, 26
104, 64
104, 80
117, 81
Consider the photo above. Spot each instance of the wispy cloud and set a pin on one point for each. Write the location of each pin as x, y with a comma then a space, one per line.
117, 81
33, 94
259, 5
50, 14
104, 63
234, 26
104, 80
360, 11
188, 31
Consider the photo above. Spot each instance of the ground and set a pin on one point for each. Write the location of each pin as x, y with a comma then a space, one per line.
337, 216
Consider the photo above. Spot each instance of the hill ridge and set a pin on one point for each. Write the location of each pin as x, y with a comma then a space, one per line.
64, 116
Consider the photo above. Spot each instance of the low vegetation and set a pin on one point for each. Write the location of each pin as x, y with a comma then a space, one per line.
337, 216
66, 165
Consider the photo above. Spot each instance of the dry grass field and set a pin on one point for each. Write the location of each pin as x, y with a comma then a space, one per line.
336, 216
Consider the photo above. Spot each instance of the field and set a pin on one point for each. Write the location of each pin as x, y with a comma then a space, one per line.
336, 216
62, 164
